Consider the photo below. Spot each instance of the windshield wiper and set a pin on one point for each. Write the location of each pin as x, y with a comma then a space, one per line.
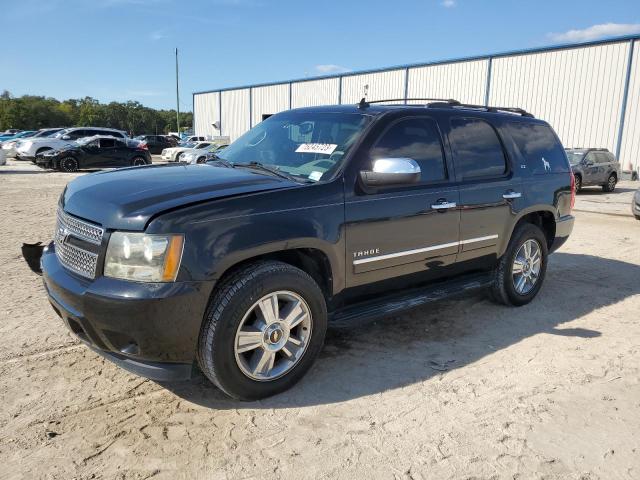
221, 161
264, 168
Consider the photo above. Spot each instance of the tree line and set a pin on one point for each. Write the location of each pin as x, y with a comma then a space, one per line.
30, 112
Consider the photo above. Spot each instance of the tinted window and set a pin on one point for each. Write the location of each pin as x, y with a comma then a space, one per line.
417, 139
602, 157
76, 134
540, 148
107, 142
477, 151
110, 133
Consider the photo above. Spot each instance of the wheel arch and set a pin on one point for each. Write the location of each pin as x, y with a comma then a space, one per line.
541, 216
311, 260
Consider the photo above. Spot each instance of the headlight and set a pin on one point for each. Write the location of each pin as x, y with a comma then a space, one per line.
142, 257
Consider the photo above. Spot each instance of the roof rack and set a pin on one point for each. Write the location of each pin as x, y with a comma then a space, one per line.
518, 111
449, 101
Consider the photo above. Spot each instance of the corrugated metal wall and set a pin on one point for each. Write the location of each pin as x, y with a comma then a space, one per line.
268, 100
630, 147
579, 90
206, 111
315, 92
235, 113
464, 81
381, 85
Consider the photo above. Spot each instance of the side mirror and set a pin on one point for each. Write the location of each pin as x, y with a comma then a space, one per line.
66, 137
391, 171
587, 163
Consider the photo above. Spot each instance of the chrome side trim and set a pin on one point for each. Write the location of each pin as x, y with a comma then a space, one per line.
387, 256
479, 239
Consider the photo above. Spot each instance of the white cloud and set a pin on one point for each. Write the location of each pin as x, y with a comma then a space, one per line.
155, 36
448, 3
330, 68
596, 31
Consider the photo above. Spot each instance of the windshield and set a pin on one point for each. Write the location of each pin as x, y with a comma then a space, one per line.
575, 157
302, 144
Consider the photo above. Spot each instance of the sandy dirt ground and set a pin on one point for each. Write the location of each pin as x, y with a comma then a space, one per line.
459, 389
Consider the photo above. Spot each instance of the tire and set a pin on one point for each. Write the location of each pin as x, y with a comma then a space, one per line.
200, 160
504, 288
610, 186
231, 310
68, 164
138, 161
179, 157
578, 179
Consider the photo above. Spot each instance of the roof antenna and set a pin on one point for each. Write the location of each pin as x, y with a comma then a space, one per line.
363, 102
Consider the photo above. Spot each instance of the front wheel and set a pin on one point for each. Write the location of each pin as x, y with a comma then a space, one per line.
68, 164
138, 161
263, 330
610, 186
521, 270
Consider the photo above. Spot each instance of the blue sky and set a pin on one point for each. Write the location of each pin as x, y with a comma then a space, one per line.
123, 49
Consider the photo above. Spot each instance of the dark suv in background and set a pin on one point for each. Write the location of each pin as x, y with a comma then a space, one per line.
315, 214
594, 167
157, 143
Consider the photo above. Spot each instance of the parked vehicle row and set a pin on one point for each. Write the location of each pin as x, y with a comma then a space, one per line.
315, 214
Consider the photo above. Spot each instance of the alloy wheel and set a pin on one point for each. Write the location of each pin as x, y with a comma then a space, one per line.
526, 266
273, 336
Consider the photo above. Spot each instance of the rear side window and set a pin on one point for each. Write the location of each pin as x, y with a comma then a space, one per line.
477, 151
77, 134
540, 148
418, 139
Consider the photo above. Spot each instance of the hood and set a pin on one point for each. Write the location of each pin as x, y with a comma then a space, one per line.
128, 198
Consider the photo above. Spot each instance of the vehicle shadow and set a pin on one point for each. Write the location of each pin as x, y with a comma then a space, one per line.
374, 356
598, 191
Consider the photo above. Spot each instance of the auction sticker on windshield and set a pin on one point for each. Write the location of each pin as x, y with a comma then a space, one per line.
326, 148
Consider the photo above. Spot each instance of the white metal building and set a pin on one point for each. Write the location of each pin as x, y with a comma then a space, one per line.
589, 92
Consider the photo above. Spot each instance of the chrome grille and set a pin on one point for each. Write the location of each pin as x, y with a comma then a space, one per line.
74, 258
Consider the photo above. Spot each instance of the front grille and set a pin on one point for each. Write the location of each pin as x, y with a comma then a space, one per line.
76, 259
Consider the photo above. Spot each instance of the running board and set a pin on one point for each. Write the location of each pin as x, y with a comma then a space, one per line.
414, 298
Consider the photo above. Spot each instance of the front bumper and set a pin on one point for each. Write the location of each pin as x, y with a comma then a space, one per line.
150, 329
564, 227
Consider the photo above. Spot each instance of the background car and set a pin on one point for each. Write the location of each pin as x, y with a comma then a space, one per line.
157, 143
28, 149
99, 151
635, 205
202, 155
594, 166
175, 154
191, 139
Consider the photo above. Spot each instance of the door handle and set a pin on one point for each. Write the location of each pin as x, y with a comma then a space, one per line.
511, 195
443, 205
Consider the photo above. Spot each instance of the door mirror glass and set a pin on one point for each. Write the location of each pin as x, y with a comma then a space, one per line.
391, 171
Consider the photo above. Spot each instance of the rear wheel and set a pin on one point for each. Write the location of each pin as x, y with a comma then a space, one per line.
263, 330
68, 164
521, 270
138, 161
610, 186
578, 182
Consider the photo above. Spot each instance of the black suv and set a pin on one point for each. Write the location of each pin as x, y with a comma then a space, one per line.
95, 152
157, 143
594, 166
315, 214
